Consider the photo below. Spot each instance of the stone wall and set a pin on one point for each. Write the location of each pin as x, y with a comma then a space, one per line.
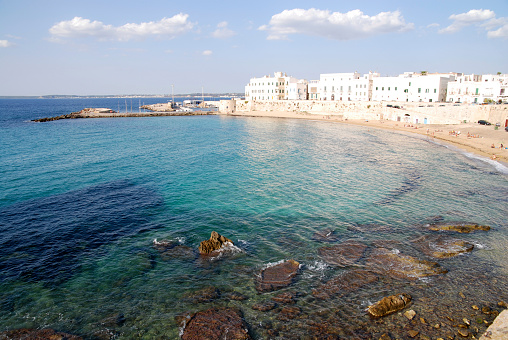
429, 113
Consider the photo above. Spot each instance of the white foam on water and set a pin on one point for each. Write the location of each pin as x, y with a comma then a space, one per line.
272, 264
479, 245
180, 239
317, 268
227, 248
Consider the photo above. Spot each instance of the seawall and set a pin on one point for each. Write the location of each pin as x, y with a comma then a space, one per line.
416, 113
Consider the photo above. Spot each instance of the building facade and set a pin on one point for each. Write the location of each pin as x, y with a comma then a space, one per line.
479, 89
407, 87
279, 87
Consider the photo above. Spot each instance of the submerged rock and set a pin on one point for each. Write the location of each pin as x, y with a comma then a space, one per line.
264, 306
206, 294
325, 235
458, 227
346, 282
215, 242
278, 276
217, 323
170, 250
401, 266
286, 297
344, 254
389, 305
441, 247
34, 334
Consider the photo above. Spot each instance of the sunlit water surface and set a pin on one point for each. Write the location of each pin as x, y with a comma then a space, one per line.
81, 202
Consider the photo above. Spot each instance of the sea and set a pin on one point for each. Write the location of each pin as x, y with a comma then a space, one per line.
84, 204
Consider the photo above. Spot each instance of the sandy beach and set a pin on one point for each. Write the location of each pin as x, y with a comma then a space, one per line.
471, 137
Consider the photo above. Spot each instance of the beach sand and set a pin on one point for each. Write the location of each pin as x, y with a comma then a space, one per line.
471, 137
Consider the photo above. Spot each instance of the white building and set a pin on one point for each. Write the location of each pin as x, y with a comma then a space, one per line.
412, 87
478, 89
278, 87
346, 86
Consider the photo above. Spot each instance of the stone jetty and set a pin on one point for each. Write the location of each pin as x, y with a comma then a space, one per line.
108, 113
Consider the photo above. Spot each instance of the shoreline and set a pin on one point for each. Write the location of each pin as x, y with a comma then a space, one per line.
479, 142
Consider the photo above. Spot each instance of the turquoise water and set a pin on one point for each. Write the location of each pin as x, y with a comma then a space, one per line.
81, 202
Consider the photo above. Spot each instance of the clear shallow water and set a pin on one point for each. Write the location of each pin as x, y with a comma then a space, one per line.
81, 202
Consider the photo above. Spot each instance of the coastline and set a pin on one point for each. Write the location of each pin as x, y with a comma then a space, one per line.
451, 134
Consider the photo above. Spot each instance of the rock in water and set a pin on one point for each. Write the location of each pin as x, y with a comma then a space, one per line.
442, 247
217, 323
344, 283
215, 242
402, 266
277, 277
325, 235
344, 254
458, 227
389, 305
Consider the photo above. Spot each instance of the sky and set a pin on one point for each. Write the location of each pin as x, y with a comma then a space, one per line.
108, 47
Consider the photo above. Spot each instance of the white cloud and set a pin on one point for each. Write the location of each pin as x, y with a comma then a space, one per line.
5, 43
207, 52
501, 32
222, 31
80, 27
484, 18
333, 25
433, 25
474, 16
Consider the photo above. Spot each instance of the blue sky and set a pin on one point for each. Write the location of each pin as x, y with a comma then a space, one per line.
143, 47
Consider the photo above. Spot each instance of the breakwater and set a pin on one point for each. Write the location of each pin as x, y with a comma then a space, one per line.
107, 113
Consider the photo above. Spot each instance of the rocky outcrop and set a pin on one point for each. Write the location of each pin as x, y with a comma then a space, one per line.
278, 276
215, 242
36, 334
346, 282
458, 227
389, 305
396, 265
439, 246
344, 254
216, 323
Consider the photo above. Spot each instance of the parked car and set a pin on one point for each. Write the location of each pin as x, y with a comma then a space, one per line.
506, 129
483, 122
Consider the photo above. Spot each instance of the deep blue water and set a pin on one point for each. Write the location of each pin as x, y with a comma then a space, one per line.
81, 202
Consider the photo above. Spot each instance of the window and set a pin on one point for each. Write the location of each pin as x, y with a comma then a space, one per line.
419, 90
383, 88
395, 88
376, 88
388, 88
426, 90
435, 90
409, 83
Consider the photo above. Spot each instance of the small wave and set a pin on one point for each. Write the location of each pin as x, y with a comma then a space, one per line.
180, 239
317, 268
272, 264
163, 243
479, 245
227, 248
